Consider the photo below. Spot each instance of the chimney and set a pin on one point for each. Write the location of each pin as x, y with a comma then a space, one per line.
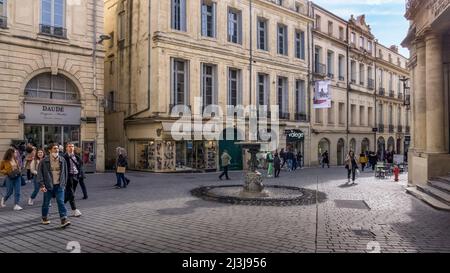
394, 48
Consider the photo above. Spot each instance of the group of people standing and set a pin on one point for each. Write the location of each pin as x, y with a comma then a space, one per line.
54, 172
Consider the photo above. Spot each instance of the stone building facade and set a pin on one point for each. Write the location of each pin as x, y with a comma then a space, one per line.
51, 85
360, 118
429, 43
168, 53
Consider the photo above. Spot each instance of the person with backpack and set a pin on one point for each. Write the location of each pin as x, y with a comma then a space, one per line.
325, 160
34, 167
10, 167
121, 166
226, 160
363, 161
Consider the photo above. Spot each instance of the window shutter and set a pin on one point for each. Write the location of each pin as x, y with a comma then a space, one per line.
239, 18
214, 19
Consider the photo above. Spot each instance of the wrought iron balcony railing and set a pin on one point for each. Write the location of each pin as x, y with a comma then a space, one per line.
381, 91
341, 78
391, 93
330, 75
400, 96
284, 115
407, 129
380, 128
59, 32
301, 117
400, 129
320, 69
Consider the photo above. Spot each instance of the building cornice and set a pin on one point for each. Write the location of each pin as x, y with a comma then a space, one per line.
332, 38
282, 9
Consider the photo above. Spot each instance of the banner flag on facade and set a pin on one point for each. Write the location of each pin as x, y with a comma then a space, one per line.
322, 95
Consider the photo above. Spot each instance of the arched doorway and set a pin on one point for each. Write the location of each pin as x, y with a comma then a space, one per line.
324, 145
353, 145
340, 152
391, 144
235, 151
365, 145
381, 147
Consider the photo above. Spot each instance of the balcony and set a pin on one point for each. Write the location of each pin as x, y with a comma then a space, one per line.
381, 91
391, 128
391, 94
59, 32
400, 129
172, 106
341, 78
361, 83
380, 128
320, 69
301, 117
371, 84
284, 115
330, 75
353, 81
400, 96
407, 129
3, 22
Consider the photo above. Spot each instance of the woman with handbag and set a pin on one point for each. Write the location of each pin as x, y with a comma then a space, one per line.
121, 165
11, 168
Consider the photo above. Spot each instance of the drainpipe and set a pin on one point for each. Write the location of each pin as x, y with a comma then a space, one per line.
310, 78
251, 53
148, 64
94, 67
375, 98
348, 86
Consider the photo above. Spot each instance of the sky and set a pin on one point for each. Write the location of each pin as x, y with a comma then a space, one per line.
385, 17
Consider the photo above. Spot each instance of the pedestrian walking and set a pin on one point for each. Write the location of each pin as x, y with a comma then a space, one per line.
290, 159
363, 161
269, 159
10, 167
351, 165
226, 160
34, 167
82, 176
283, 157
73, 177
277, 165
294, 161
121, 166
373, 160
299, 160
30, 155
325, 160
52, 177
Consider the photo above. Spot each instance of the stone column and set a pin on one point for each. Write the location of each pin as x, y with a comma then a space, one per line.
420, 125
435, 136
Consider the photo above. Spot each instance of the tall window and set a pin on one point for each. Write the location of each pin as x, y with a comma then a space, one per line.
353, 38
300, 92
341, 33
3, 14
48, 86
341, 113
282, 40
399, 85
111, 102
179, 15
208, 18
362, 115
330, 27
391, 120
282, 95
353, 114
391, 80
353, 71
318, 22
380, 113
234, 26
262, 34
341, 67
53, 17
180, 82
369, 46
381, 78
362, 42
263, 90
331, 114
399, 116
234, 87
300, 44
209, 84
330, 64
361, 74
370, 116
122, 26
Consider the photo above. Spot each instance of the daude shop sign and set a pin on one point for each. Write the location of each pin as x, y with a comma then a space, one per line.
52, 114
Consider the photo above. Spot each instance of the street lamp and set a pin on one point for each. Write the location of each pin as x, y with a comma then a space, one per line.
104, 37
406, 93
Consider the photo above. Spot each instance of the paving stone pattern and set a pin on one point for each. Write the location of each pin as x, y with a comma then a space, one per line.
157, 213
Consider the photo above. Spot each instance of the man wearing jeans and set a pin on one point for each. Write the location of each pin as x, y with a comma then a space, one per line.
52, 177
74, 176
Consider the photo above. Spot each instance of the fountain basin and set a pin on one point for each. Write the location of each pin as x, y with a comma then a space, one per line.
270, 196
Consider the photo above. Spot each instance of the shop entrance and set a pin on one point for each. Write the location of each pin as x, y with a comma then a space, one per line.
295, 142
235, 151
42, 135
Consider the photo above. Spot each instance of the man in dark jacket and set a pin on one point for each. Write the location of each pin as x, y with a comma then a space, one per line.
277, 165
74, 175
52, 177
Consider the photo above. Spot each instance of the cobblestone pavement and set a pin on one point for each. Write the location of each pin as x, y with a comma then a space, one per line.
156, 213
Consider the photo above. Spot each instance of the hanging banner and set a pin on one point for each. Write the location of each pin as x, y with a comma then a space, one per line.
322, 95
